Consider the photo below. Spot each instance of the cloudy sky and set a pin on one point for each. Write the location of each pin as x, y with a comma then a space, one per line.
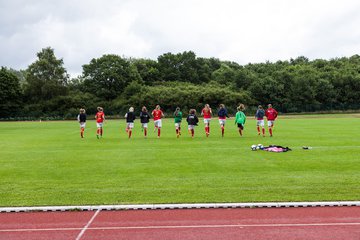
237, 30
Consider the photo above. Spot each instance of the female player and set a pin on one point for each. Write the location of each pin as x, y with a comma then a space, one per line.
192, 121
206, 112
82, 120
130, 117
259, 116
271, 115
240, 118
144, 119
157, 114
222, 114
100, 118
178, 119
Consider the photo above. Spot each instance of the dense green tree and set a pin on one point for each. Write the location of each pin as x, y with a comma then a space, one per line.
180, 79
46, 77
107, 76
148, 70
11, 96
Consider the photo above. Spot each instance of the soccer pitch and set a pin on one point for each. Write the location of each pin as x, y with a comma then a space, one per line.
47, 163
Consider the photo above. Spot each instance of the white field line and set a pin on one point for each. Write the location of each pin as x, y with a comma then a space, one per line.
187, 226
181, 206
87, 225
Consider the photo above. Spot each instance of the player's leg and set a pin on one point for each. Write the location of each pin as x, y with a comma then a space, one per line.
240, 127
222, 125
177, 129
97, 130
262, 125
191, 130
270, 125
144, 125
130, 126
159, 125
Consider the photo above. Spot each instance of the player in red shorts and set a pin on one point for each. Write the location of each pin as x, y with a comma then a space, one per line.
157, 114
206, 112
271, 114
100, 118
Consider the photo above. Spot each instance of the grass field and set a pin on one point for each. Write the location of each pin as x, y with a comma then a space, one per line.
47, 163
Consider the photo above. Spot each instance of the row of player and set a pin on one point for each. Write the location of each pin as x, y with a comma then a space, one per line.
192, 120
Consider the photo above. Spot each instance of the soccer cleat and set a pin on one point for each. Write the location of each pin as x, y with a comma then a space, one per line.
97, 136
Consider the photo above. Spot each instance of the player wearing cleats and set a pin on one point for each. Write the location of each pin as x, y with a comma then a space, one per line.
100, 118
240, 118
192, 121
144, 119
259, 116
178, 119
157, 114
82, 120
222, 114
271, 114
206, 113
130, 117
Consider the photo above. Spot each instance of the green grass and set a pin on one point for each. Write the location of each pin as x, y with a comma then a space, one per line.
46, 163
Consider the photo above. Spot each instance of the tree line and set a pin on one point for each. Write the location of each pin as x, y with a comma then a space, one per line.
45, 89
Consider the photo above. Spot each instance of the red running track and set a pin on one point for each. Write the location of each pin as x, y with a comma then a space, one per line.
244, 223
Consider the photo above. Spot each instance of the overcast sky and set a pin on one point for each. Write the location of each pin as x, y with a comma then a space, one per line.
236, 30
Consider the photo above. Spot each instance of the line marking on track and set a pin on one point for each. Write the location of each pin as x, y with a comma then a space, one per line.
184, 226
87, 225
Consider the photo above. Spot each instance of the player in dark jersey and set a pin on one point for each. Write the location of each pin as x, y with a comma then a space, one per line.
144, 119
82, 120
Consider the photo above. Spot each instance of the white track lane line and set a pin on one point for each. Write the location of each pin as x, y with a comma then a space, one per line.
87, 225
184, 226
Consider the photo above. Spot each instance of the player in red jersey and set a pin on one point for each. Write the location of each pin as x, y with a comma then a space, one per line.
271, 114
206, 112
157, 114
100, 118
